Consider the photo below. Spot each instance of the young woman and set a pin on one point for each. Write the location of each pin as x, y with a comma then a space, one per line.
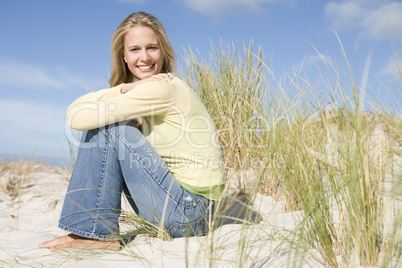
170, 169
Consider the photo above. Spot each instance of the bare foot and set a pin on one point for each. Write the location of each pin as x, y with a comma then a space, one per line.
75, 241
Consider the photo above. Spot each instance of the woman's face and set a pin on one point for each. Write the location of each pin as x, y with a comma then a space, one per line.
142, 52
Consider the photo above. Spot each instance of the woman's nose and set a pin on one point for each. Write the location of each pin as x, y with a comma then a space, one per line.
144, 55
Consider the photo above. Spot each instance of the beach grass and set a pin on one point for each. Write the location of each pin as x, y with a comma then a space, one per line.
16, 175
335, 157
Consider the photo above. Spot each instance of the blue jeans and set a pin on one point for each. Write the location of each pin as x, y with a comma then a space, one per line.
118, 158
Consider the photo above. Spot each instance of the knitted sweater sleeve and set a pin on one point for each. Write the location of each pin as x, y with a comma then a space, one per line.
108, 106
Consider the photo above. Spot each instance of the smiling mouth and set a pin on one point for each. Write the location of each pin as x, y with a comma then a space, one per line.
146, 68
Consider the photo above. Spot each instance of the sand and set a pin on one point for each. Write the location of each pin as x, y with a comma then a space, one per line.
30, 216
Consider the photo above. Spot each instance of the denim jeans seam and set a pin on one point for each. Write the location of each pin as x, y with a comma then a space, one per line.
199, 206
193, 223
102, 178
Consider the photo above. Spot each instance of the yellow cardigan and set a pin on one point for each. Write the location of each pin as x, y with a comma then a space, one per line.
175, 122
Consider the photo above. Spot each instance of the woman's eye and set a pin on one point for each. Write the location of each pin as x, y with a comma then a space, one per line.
134, 49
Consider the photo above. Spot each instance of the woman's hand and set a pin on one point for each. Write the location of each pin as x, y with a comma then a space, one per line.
126, 87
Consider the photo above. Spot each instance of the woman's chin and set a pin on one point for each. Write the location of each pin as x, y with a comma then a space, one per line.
143, 75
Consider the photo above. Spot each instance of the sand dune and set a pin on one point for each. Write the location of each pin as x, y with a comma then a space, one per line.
29, 215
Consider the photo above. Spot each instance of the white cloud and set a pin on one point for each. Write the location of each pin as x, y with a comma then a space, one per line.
21, 74
377, 21
26, 115
218, 7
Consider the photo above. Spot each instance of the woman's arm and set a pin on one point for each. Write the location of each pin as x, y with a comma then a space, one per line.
96, 96
117, 90
97, 109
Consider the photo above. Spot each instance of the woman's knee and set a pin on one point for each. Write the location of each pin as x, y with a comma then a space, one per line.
126, 133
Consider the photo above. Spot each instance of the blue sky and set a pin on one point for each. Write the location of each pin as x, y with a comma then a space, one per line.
53, 51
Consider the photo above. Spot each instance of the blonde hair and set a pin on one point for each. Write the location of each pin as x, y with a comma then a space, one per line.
120, 72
